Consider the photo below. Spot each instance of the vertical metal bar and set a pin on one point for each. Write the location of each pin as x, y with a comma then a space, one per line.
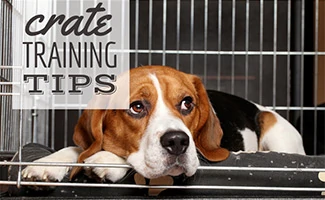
11, 38
275, 27
288, 58
192, 36
261, 52
2, 42
164, 32
246, 48
66, 118
20, 136
233, 31
316, 73
54, 10
124, 20
2, 135
219, 42
80, 40
5, 10
5, 58
150, 30
124, 10
302, 42
11, 35
34, 115
178, 31
2, 29
9, 74
1, 36
136, 41
20, 127
46, 127
295, 62
34, 111
205, 41
52, 128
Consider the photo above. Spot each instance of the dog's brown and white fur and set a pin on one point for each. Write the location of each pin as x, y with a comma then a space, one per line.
170, 118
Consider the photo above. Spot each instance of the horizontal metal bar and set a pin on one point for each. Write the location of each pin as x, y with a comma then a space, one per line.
64, 164
111, 165
254, 169
191, 187
9, 83
295, 108
70, 105
202, 52
10, 67
9, 94
269, 107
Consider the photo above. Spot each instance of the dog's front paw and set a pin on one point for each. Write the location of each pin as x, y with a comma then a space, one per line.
52, 173
106, 173
44, 173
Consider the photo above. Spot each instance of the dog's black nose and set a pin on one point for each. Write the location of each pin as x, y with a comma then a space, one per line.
175, 142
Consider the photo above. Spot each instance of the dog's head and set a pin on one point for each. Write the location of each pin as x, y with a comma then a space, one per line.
169, 118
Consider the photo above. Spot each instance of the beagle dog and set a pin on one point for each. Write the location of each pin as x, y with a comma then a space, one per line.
171, 118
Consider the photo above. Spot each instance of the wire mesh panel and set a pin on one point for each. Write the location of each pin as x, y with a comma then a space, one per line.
271, 52
260, 50
226, 42
31, 124
5, 59
264, 51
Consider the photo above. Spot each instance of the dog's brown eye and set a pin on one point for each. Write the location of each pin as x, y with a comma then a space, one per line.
136, 107
186, 105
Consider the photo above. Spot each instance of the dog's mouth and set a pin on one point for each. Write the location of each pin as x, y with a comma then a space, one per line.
176, 166
154, 165
173, 166
175, 170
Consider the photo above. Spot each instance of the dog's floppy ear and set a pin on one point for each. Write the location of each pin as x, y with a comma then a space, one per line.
88, 134
208, 133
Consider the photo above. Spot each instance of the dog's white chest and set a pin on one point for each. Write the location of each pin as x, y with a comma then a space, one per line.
249, 139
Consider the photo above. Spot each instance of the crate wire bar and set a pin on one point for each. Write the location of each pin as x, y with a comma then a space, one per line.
199, 37
191, 187
213, 168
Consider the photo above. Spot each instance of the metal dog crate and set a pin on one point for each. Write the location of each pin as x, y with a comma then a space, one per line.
268, 51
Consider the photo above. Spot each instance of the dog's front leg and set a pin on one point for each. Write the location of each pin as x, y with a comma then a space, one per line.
52, 173
106, 173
